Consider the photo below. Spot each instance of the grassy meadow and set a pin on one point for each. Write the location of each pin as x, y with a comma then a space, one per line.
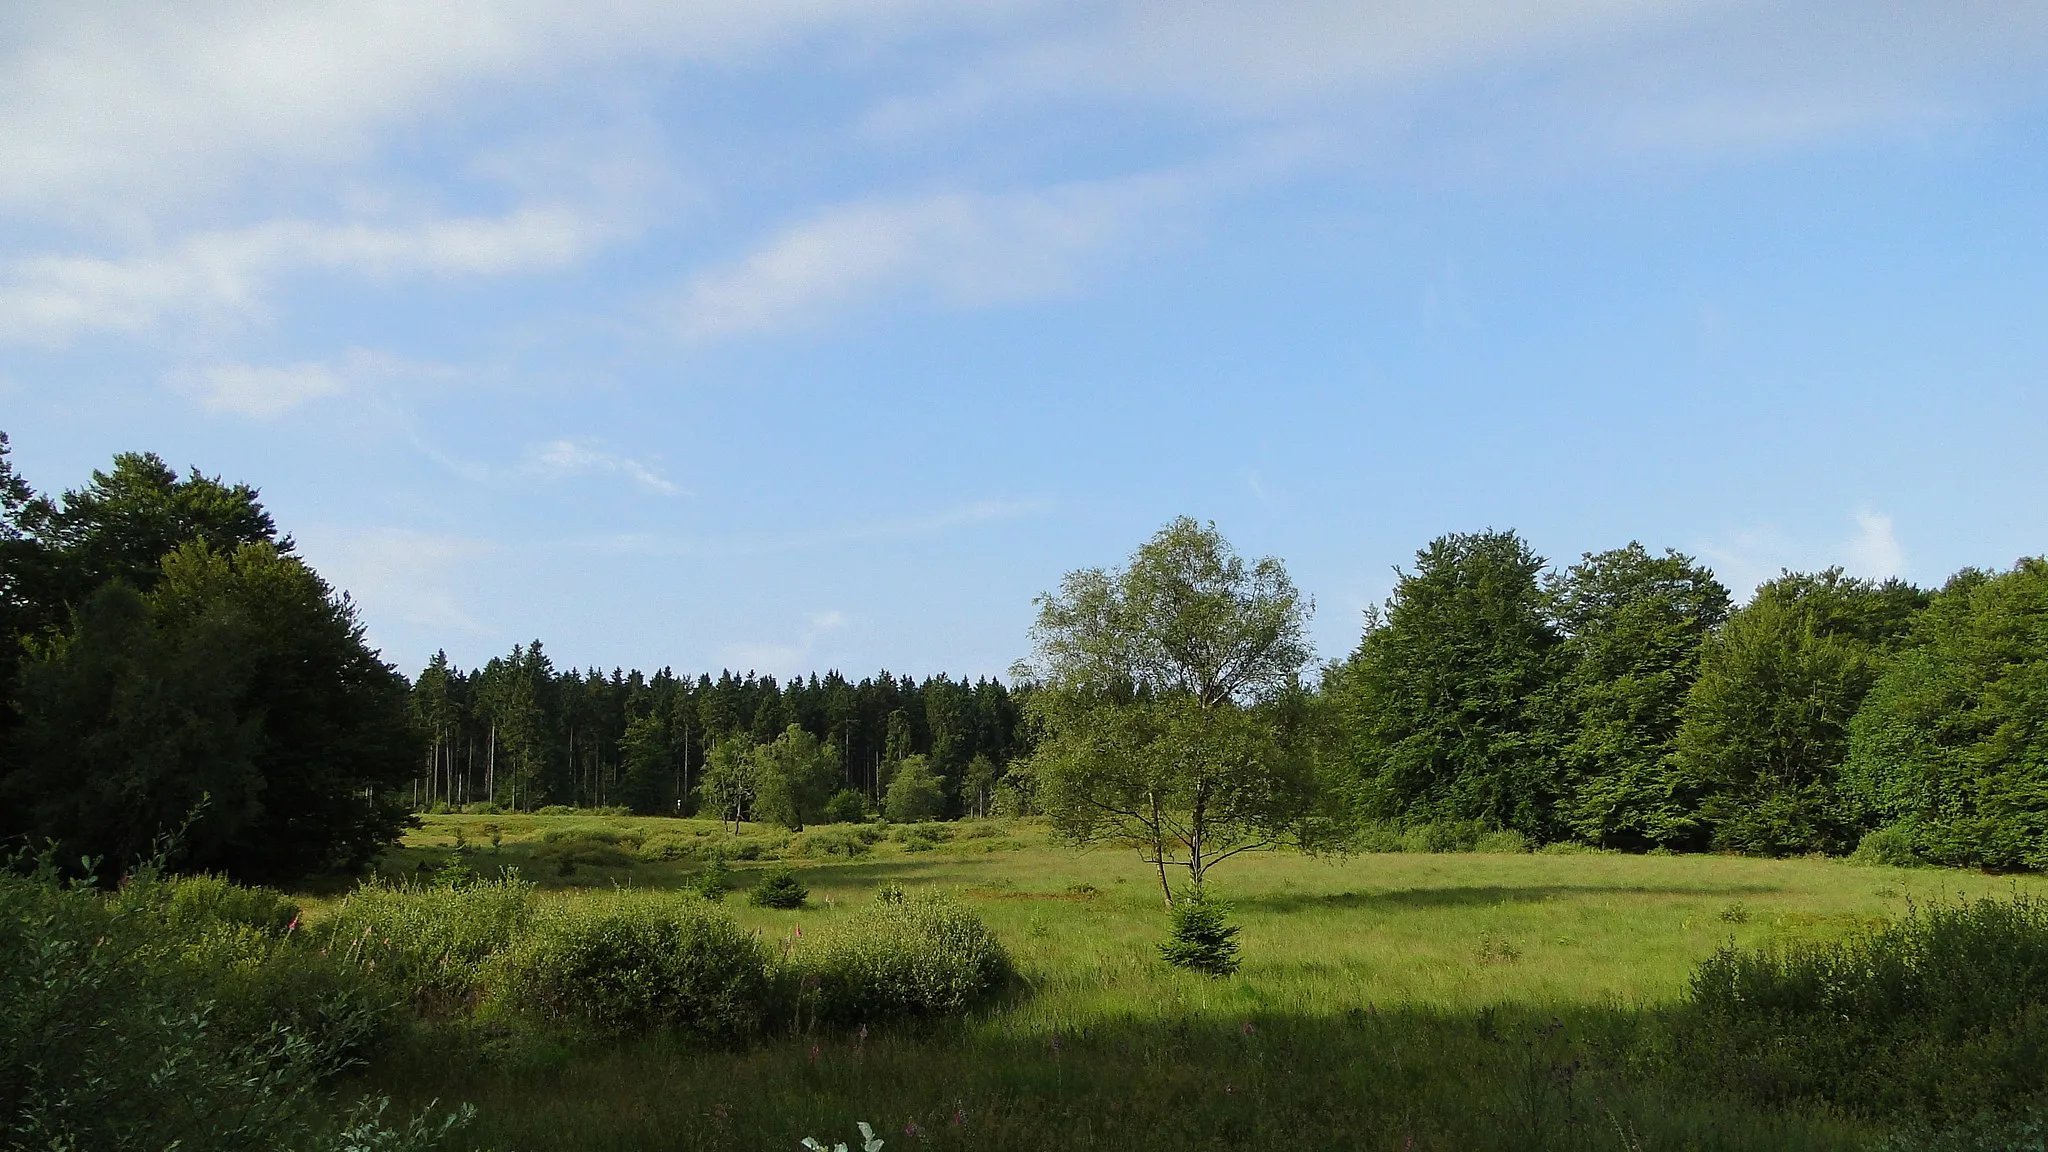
1385, 1001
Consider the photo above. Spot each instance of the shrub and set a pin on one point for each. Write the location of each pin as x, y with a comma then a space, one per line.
1502, 841
779, 889
1443, 836
1954, 995
846, 807
1203, 939
555, 810
110, 1035
569, 853
1887, 847
902, 956
714, 881
431, 943
197, 902
832, 840
631, 964
668, 846
1378, 836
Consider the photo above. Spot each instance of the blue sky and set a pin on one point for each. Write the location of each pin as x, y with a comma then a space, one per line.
795, 334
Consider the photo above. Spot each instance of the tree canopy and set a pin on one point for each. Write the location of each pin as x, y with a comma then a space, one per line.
1168, 699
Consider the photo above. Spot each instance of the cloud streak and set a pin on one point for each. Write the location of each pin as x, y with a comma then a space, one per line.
54, 299
960, 249
560, 459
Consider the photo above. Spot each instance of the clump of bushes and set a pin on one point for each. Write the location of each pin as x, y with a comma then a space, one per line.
714, 881
434, 944
1954, 995
132, 1020
1889, 847
848, 840
901, 956
779, 889
632, 964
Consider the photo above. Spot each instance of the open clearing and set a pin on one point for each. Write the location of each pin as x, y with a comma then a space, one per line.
1386, 1000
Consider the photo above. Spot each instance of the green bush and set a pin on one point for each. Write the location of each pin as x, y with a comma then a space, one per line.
193, 902
833, 840
779, 889
1955, 997
902, 956
112, 1036
1502, 841
631, 964
1202, 939
1378, 836
846, 807
1887, 847
1443, 836
714, 881
433, 944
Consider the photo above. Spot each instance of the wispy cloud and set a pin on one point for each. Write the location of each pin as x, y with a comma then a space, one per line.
559, 459
51, 299
398, 574
259, 391
960, 248
1746, 559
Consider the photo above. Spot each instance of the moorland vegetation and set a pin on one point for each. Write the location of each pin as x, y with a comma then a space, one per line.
1420, 897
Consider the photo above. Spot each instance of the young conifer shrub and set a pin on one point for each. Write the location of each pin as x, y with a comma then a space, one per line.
1203, 939
779, 889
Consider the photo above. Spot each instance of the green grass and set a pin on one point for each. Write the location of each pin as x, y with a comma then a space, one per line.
1386, 1001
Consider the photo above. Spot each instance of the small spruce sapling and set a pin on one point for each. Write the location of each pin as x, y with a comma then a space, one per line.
779, 889
1203, 939
714, 881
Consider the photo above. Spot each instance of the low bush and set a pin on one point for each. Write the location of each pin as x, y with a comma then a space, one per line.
1378, 836
112, 1033
1887, 847
432, 943
666, 846
847, 840
1505, 841
901, 956
714, 881
633, 963
1443, 836
846, 807
779, 889
1954, 995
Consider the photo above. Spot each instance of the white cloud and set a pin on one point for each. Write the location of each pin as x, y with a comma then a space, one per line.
961, 248
259, 391
51, 299
1875, 551
558, 459
1744, 560
401, 575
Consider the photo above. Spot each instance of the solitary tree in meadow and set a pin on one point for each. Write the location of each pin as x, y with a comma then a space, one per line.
1168, 700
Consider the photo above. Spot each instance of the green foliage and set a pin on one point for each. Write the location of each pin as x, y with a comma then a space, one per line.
630, 963
433, 944
902, 956
1168, 707
1202, 938
1446, 710
1766, 725
1633, 625
241, 677
714, 881
797, 774
1889, 847
142, 1021
779, 888
915, 792
732, 779
845, 807
1954, 997
1951, 748
833, 840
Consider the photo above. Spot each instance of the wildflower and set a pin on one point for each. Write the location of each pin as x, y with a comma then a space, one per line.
799, 931
1245, 1029
910, 1128
293, 926
959, 1117
814, 1053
